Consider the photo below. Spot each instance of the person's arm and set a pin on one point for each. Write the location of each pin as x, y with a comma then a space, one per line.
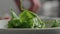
35, 5
18, 4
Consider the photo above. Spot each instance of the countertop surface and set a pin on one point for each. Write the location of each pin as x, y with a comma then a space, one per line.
39, 31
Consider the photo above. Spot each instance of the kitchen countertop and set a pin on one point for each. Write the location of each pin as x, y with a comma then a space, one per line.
31, 31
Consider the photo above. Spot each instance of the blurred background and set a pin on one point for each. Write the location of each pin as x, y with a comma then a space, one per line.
49, 8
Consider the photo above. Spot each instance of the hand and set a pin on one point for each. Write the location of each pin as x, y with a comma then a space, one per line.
35, 5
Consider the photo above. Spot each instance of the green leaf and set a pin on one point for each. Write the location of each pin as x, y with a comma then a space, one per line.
55, 24
30, 20
14, 22
13, 14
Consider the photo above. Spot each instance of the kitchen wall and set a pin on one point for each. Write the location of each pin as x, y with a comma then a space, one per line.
49, 8
5, 6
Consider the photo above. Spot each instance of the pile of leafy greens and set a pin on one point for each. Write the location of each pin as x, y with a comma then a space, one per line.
26, 19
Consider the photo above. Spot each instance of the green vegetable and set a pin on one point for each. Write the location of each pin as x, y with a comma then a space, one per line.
14, 22
30, 20
55, 24
26, 19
